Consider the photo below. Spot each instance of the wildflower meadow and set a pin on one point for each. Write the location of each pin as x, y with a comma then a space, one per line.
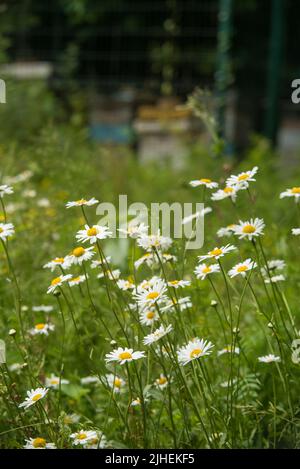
140, 342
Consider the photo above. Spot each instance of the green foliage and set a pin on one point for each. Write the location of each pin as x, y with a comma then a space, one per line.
65, 165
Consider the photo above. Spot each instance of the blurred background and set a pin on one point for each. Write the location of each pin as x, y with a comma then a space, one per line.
124, 68
139, 97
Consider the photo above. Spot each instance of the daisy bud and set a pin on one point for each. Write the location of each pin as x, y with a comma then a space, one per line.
12, 332
113, 342
270, 325
56, 293
236, 330
213, 303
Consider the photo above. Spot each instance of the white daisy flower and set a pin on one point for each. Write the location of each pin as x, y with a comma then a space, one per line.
229, 349
146, 284
275, 279
29, 193
293, 192
5, 190
135, 231
98, 263
57, 282
225, 231
204, 182
275, 264
157, 334
77, 280
202, 270
80, 254
24, 176
161, 382
196, 348
69, 419
33, 397
136, 402
166, 257
42, 308
99, 442
249, 229
54, 381
38, 443
93, 233
243, 178
155, 241
149, 316
225, 193
81, 202
63, 262
6, 230
196, 215
179, 283
180, 303
16, 367
154, 294
241, 268
227, 384
269, 358
115, 382
149, 259
42, 329
83, 437
125, 284
296, 231
110, 274
123, 355
90, 380
43, 203
216, 253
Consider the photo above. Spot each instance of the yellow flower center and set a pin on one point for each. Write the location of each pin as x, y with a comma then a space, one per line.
81, 436
296, 190
117, 382
243, 176
215, 252
76, 279
162, 380
55, 281
54, 381
242, 268
249, 229
36, 397
228, 190
195, 353
78, 252
80, 201
152, 295
150, 315
94, 441
125, 356
174, 282
206, 270
59, 260
40, 326
91, 232
207, 181
39, 443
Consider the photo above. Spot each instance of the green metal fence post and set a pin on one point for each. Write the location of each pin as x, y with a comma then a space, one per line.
223, 72
274, 70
